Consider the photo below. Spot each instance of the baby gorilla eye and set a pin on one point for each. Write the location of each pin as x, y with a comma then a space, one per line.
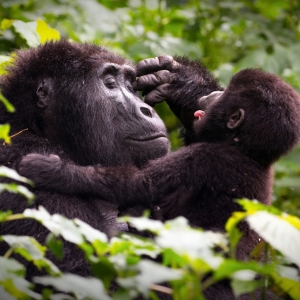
110, 82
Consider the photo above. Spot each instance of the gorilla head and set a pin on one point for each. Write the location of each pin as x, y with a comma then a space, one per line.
81, 98
257, 113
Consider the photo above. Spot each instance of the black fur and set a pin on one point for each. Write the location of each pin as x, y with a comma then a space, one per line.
66, 105
244, 131
65, 108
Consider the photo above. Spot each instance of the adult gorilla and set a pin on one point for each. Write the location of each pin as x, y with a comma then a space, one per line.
77, 101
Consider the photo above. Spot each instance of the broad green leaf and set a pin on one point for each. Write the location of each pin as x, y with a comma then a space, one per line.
149, 273
4, 62
17, 189
6, 23
55, 245
233, 231
281, 235
240, 287
83, 288
4, 215
252, 206
10, 267
180, 237
5, 295
57, 224
20, 288
90, 233
288, 285
143, 223
46, 33
12, 174
31, 250
6, 103
4, 133
229, 268
28, 32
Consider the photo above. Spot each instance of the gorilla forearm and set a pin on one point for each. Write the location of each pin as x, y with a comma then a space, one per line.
124, 186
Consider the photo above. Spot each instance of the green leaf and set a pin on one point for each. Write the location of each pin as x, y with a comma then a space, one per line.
90, 233
4, 215
288, 285
55, 245
17, 189
149, 273
233, 231
6, 23
230, 267
5, 295
5, 61
277, 231
57, 224
4, 133
83, 288
11, 173
240, 287
28, 32
9, 107
46, 33
31, 250
181, 238
143, 223
105, 270
10, 267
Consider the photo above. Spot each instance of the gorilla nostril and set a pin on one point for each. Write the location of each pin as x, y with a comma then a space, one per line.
146, 111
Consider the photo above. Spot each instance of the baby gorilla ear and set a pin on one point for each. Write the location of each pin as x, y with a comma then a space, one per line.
236, 119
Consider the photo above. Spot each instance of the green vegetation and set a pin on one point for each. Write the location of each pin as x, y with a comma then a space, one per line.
227, 36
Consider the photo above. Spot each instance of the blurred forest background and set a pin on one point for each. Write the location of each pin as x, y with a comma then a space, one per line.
226, 35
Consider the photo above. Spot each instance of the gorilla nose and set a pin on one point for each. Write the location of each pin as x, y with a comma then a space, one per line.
146, 111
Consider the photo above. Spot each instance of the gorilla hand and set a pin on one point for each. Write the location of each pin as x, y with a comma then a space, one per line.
178, 81
41, 169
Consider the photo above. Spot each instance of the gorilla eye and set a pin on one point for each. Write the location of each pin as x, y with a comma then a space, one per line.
110, 82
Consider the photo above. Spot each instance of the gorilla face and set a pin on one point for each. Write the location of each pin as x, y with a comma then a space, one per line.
97, 117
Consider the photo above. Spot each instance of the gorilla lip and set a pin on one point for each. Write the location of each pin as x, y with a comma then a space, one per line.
146, 138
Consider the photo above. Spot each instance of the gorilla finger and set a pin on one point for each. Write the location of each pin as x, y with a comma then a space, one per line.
151, 81
158, 95
151, 65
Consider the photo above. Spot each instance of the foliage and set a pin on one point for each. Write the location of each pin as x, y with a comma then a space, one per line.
227, 36
132, 262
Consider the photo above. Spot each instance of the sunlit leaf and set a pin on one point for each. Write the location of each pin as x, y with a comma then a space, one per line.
17, 189
4, 133
9, 107
57, 224
149, 273
28, 32
278, 232
83, 288
46, 33
6, 23
12, 174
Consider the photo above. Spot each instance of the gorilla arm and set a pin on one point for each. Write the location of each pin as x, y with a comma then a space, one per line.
124, 186
178, 81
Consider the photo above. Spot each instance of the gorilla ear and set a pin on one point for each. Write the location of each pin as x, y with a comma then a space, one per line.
44, 92
236, 119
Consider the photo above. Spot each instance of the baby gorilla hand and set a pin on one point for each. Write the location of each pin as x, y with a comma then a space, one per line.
41, 169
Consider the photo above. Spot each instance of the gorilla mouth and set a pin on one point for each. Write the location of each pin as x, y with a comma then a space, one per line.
146, 138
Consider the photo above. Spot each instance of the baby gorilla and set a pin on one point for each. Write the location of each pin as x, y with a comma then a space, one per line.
243, 132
